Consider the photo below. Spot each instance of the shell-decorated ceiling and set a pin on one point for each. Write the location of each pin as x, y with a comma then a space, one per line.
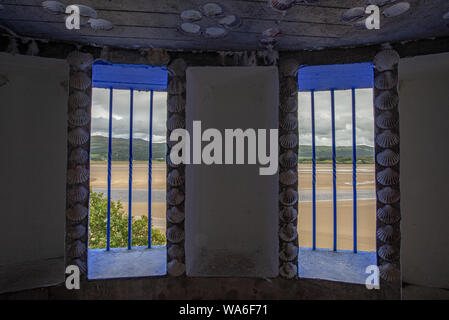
227, 24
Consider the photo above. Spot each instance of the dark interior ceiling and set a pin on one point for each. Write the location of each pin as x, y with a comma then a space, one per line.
155, 24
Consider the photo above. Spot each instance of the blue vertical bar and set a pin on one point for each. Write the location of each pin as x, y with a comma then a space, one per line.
334, 168
130, 187
313, 169
150, 157
354, 171
108, 228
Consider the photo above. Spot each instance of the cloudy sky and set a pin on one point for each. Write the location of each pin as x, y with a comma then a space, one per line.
343, 121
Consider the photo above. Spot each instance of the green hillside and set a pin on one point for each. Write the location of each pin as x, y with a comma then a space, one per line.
365, 154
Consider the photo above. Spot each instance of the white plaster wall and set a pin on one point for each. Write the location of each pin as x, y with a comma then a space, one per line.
424, 126
33, 125
231, 210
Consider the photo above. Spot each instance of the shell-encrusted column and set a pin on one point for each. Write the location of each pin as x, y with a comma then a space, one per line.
79, 116
175, 173
386, 101
288, 165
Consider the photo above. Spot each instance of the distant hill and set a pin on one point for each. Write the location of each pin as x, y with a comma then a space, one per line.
365, 154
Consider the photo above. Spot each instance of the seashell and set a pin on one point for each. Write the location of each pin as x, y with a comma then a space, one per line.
80, 60
397, 9
100, 24
77, 194
386, 120
288, 270
81, 265
211, 10
80, 81
388, 177
78, 136
174, 215
289, 197
175, 178
268, 42
77, 213
33, 49
288, 177
176, 121
387, 139
272, 32
78, 99
386, 80
176, 251
389, 273
289, 105
176, 86
385, 233
288, 141
55, 7
288, 252
190, 28
389, 215
386, 60
288, 232
289, 122
353, 14
175, 197
281, 5
387, 100
387, 158
77, 249
176, 103
175, 268
289, 87
191, 15
379, 3
177, 68
3, 80
79, 174
86, 11
288, 159
79, 118
288, 214
79, 156
388, 195
158, 57
230, 22
175, 234
215, 32
289, 68
76, 232
386, 252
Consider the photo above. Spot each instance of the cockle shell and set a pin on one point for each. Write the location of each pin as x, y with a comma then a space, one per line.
176, 103
387, 252
176, 251
177, 68
176, 121
77, 213
100, 24
386, 120
190, 28
215, 32
272, 32
388, 195
76, 232
288, 232
385, 233
174, 215
80, 60
79, 156
288, 270
80, 81
77, 194
77, 249
78, 99
387, 139
55, 7
386, 60
288, 214
288, 252
79, 174
3, 80
289, 122
389, 215
211, 10
175, 178
386, 80
289, 68
79, 118
387, 158
86, 11
78, 136
389, 273
388, 177
81, 265
289, 197
397, 9
176, 86
289, 86
353, 14
288, 177
281, 5
175, 268
191, 15
288, 159
175, 197
288, 141
387, 100
175, 234
230, 22
289, 105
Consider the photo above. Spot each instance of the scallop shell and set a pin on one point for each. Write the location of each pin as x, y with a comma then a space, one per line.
176, 251
387, 100
86, 11
289, 252
175, 197
288, 232
230, 22
177, 68
79, 174
386, 252
386, 80
55, 7
353, 14
158, 57
175, 234
385, 233
288, 159
81, 265
176, 86
100, 24
388, 195
289, 122
175, 268
389, 215
289, 105
387, 139
386, 120
288, 141
78, 99
288, 270
176, 121
191, 15
76, 232
77, 194
174, 215
215, 32
288, 177
388, 177
77, 249
272, 32
80, 60
288, 214
289, 68
77, 213
397, 9
386, 60
289, 86
3, 80
175, 178
289, 197
176, 103
78, 136
190, 28
387, 158
79, 118
389, 273
281, 5
79, 156
211, 10
80, 81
